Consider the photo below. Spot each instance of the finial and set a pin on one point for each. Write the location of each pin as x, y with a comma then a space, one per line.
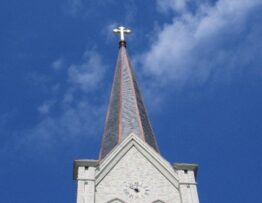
122, 30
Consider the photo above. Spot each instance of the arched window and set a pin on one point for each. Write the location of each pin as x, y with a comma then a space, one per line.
116, 200
158, 201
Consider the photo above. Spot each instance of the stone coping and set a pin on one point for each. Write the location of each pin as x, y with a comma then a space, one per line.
186, 166
85, 163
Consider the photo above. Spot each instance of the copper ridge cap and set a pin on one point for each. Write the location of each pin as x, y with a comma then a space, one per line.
122, 44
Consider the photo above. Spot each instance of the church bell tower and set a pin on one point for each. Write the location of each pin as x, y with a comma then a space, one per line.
130, 168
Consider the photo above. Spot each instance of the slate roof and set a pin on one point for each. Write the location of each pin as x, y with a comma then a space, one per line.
126, 111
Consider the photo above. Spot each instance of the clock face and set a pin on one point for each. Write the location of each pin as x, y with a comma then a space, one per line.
136, 190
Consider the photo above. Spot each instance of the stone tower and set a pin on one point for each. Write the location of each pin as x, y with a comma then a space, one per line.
130, 168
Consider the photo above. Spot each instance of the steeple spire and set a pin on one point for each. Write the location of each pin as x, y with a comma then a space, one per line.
126, 111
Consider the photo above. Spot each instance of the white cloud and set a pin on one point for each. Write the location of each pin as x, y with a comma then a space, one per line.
107, 31
176, 5
89, 74
58, 63
197, 46
77, 115
74, 124
46, 106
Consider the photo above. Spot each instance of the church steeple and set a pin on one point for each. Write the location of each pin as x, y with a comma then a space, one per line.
130, 168
126, 111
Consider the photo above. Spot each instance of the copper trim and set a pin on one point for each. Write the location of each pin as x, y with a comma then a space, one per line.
120, 98
134, 93
107, 114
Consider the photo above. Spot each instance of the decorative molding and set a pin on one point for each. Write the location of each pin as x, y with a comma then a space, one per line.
148, 152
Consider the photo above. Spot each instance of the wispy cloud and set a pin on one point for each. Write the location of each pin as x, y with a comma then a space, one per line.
46, 106
172, 5
75, 123
58, 63
74, 6
130, 11
82, 8
89, 74
212, 42
78, 113
108, 29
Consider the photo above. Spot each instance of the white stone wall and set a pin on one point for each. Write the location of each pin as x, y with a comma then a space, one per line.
187, 186
133, 173
132, 168
86, 185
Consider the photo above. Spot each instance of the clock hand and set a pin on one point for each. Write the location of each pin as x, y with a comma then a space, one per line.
136, 190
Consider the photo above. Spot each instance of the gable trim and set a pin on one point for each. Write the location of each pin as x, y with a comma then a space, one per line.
107, 164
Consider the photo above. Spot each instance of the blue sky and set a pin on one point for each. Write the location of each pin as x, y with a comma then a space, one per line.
199, 68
